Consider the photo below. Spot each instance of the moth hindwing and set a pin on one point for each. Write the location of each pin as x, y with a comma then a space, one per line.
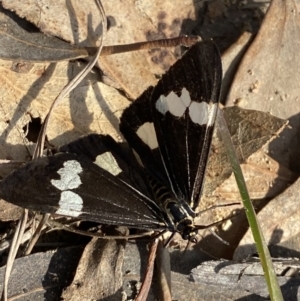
170, 127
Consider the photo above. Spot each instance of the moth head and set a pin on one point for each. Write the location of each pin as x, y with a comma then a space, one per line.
187, 229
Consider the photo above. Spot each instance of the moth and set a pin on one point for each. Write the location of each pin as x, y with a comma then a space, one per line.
155, 181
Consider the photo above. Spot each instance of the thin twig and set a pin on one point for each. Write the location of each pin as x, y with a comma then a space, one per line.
165, 43
143, 293
164, 272
36, 234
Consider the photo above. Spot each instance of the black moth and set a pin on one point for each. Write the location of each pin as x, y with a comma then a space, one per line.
169, 126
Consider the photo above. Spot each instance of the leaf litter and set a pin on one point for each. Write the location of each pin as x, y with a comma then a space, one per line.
70, 121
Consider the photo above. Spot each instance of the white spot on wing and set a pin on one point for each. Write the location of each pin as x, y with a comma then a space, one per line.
185, 97
174, 104
148, 135
203, 112
108, 162
70, 204
200, 112
69, 178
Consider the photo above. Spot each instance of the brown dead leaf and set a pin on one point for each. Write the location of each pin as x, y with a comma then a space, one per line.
68, 20
79, 24
99, 272
268, 77
279, 221
91, 107
9, 212
156, 21
231, 59
249, 130
24, 43
265, 178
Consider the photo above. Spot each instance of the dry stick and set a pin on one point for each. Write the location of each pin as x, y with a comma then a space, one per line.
165, 43
146, 284
164, 272
67, 227
36, 234
100, 235
6, 244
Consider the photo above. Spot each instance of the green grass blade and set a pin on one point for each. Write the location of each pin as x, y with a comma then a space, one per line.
263, 251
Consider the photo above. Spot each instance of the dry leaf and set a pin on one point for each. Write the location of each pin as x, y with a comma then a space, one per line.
74, 116
99, 272
9, 212
265, 178
24, 43
279, 221
231, 59
132, 72
268, 77
249, 130
156, 20
68, 20
30, 96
